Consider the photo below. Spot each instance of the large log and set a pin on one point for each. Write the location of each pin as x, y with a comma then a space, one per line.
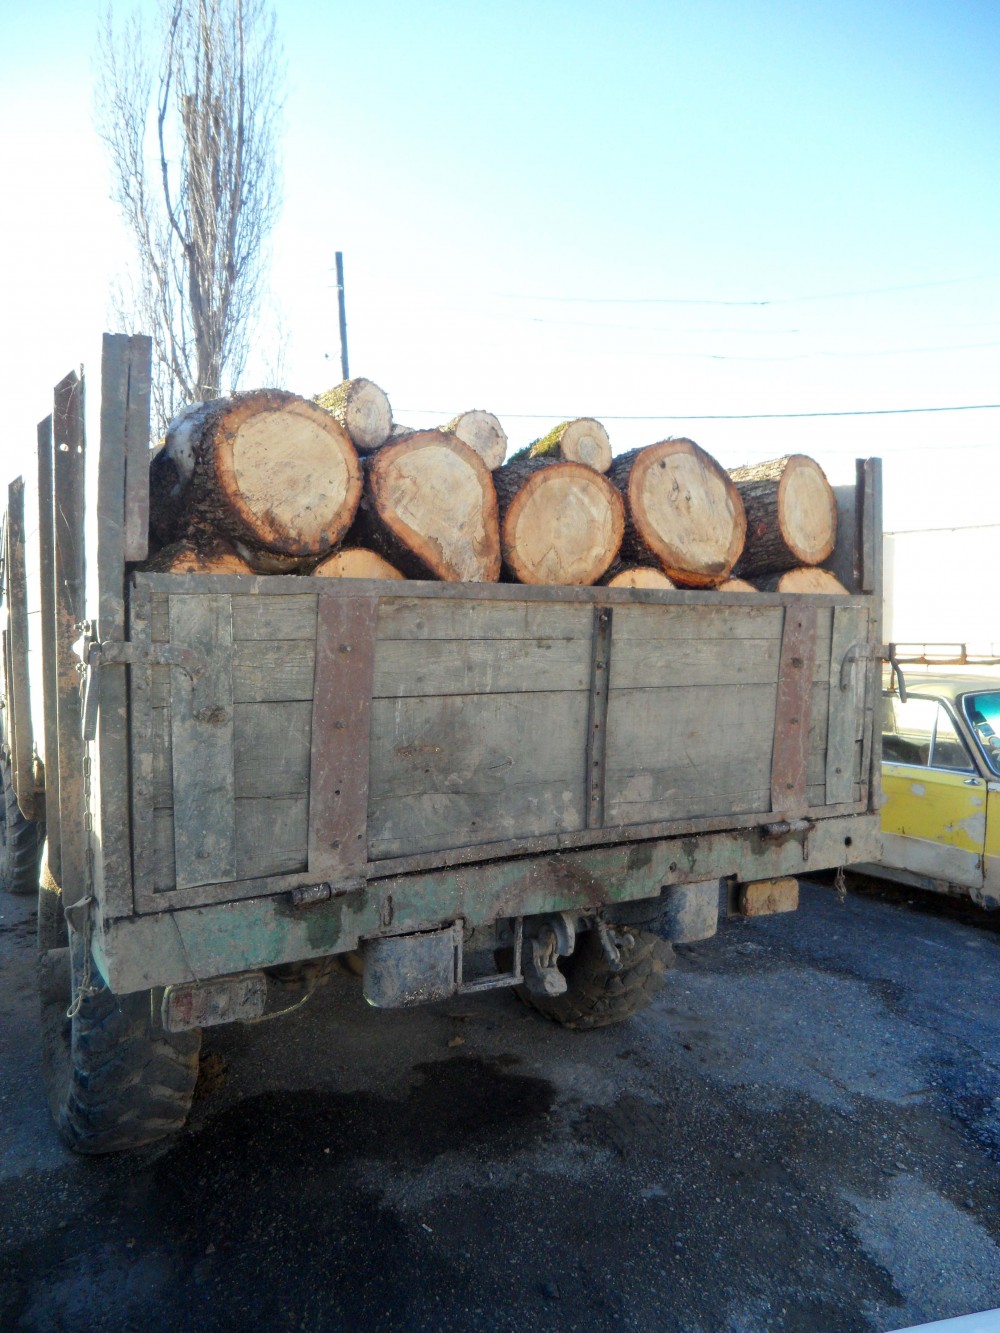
356, 562
807, 578
583, 440
791, 515
637, 576
184, 557
736, 585
482, 432
560, 522
362, 408
430, 509
267, 468
683, 512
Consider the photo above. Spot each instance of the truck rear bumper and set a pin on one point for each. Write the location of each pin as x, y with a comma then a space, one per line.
195, 944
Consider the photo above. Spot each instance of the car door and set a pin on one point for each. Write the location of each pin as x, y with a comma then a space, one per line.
934, 816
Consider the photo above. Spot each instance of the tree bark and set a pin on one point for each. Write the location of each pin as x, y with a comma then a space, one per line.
430, 509
560, 522
267, 468
362, 408
683, 512
791, 515
482, 432
356, 562
583, 440
807, 578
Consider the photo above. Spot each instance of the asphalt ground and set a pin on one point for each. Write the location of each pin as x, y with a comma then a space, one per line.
801, 1133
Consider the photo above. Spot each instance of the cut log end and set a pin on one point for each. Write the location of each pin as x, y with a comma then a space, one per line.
482, 432
640, 576
736, 585
356, 562
435, 496
185, 557
563, 526
583, 440
805, 579
791, 514
362, 408
288, 471
684, 510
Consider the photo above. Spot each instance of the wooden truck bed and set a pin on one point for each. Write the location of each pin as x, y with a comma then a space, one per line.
276, 767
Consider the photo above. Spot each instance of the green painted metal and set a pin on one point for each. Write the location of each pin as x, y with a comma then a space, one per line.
201, 942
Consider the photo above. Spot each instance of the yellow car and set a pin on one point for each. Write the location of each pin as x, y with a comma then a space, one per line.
941, 784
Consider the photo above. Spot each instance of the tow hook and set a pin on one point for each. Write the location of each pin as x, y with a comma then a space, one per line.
551, 937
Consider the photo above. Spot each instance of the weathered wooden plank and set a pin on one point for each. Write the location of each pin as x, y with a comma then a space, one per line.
280, 619
792, 712
201, 711
19, 723
436, 667
47, 615
262, 672
848, 669
453, 771
649, 663
338, 780
271, 839
109, 753
869, 485
408, 618
136, 495
716, 620
68, 520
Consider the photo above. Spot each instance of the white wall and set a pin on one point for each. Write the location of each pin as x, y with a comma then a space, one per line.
943, 586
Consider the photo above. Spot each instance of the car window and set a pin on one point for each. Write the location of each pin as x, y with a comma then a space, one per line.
983, 712
920, 732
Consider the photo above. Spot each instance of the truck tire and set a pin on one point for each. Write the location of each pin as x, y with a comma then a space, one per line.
19, 842
596, 996
113, 1082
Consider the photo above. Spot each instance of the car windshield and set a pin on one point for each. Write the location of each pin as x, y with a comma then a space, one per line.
983, 712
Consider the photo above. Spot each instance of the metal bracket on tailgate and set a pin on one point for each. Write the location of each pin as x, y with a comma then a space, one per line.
113, 652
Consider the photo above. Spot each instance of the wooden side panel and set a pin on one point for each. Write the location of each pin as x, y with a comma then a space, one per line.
68, 521
140, 353
456, 770
338, 780
47, 594
848, 666
18, 689
792, 713
201, 726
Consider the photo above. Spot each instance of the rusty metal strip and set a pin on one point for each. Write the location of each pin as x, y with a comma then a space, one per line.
790, 756
338, 783
19, 697
597, 729
68, 512
46, 574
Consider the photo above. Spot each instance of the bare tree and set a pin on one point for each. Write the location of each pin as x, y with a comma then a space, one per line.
198, 190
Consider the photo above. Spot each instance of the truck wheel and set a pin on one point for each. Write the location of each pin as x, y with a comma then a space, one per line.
19, 843
596, 996
113, 1082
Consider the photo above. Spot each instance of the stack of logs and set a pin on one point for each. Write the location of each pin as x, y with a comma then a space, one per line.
267, 482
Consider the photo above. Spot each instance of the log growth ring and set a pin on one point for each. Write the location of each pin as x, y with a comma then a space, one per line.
689, 512
564, 526
290, 471
807, 509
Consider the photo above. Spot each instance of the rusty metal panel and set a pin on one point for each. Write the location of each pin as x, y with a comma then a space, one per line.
790, 755
597, 730
338, 782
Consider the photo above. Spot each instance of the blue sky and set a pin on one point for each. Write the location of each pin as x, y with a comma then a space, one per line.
656, 210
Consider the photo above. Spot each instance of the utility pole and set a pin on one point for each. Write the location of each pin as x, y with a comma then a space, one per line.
344, 372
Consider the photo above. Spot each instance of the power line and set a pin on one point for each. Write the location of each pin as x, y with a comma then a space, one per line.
775, 300
723, 416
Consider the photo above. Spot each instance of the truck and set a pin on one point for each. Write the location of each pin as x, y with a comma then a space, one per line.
225, 788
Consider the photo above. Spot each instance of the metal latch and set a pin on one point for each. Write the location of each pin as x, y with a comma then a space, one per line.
123, 652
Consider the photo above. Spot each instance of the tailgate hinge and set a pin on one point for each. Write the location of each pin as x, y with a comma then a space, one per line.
123, 652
